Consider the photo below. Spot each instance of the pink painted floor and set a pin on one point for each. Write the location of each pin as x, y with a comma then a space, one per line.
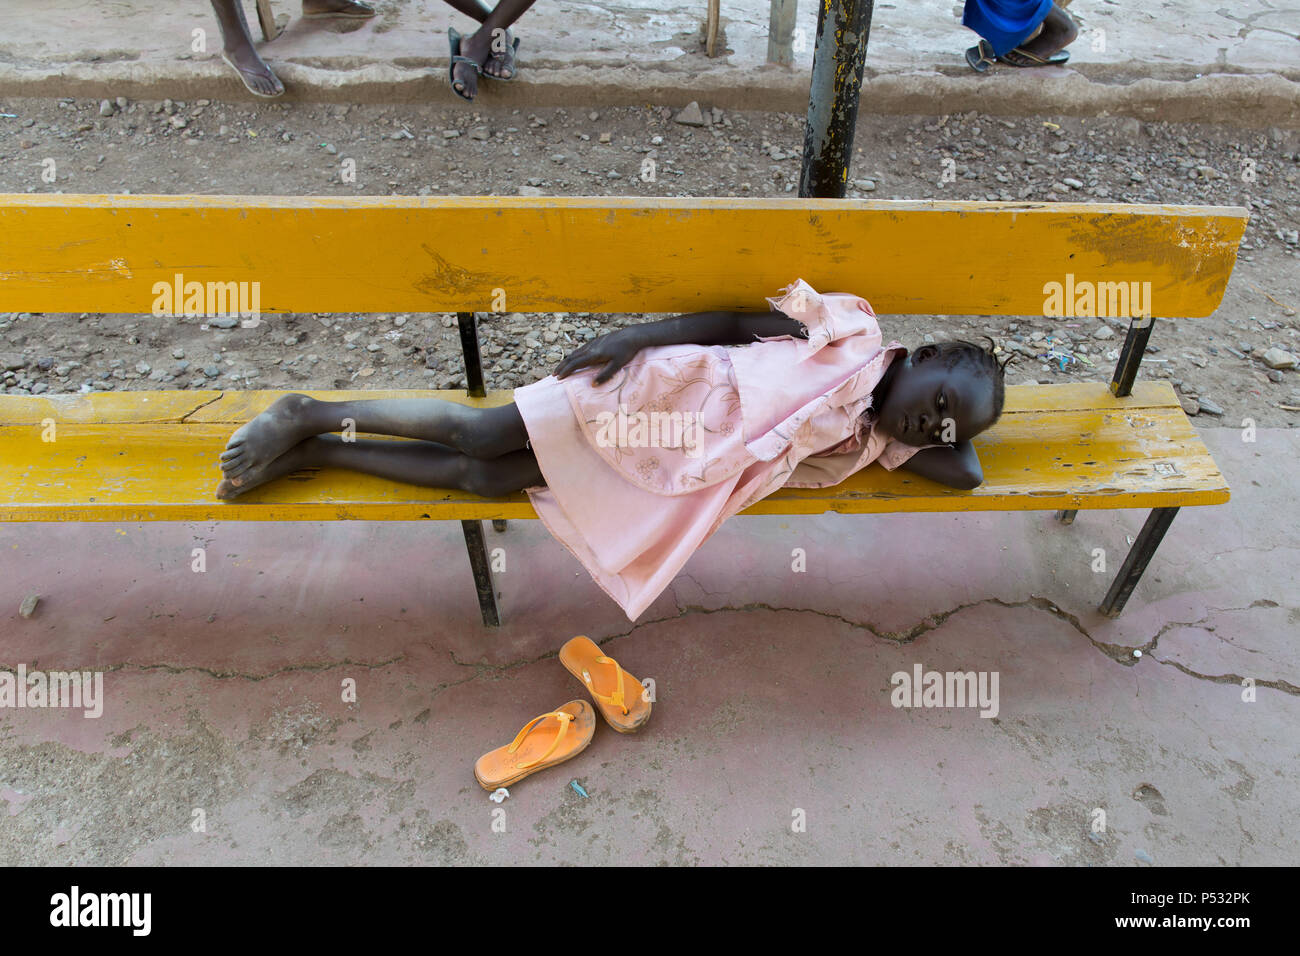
224, 693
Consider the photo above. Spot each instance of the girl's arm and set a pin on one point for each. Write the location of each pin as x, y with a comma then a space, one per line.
615, 349
956, 467
716, 328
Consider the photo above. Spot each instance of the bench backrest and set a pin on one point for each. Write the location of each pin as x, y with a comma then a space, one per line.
70, 253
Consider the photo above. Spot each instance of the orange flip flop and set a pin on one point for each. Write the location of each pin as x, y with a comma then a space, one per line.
544, 742
583, 659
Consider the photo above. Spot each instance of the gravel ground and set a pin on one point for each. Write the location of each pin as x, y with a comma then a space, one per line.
1220, 365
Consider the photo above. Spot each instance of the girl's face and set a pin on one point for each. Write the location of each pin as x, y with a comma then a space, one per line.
928, 404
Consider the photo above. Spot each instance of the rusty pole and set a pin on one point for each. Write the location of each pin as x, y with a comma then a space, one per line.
838, 58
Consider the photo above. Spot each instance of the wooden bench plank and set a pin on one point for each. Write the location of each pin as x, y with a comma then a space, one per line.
1136, 452
69, 253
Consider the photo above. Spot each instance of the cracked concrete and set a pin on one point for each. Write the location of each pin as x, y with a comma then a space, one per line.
228, 692
1193, 60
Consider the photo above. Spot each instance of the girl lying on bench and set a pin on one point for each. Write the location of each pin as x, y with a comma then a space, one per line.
646, 439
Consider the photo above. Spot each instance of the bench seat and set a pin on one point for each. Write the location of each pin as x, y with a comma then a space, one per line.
152, 456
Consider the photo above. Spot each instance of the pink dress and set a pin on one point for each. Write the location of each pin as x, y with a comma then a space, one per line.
642, 470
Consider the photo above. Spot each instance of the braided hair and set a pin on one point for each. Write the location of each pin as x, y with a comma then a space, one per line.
982, 358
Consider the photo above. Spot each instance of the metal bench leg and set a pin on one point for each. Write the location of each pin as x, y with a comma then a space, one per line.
478, 562
1066, 517
1139, 556
498, 525
469, 350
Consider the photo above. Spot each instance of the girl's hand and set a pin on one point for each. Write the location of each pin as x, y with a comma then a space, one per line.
613, 350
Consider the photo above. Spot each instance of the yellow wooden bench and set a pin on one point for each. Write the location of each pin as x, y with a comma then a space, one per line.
151, 456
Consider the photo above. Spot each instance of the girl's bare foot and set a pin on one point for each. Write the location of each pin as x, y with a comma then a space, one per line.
270, 435
297, 457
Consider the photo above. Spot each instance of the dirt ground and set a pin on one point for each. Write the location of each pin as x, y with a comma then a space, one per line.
296, 149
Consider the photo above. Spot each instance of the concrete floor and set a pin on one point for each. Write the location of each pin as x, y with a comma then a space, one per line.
1189, 60
773, 689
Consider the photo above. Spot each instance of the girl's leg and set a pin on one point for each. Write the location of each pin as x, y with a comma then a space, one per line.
426, 464
477, 432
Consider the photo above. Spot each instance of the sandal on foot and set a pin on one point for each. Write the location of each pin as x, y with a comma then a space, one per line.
544, 742
453, 39
981, 57
354, 11
266, 96
514, 66
1022, 57
583, 659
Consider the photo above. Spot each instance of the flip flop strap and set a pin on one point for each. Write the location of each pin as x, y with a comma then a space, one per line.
615, 699
565, 720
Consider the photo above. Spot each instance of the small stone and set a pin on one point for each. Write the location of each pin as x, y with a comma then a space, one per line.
142, 368
479, 132
865, 185
1143, 856
1190, 405
123, 103
105, 108
1072, 183
691, 115
224, 322
450, 133
1137, 177
28, 607
1279, 358
211, 371
178, 353
593, 116
1210, 407
530, 191
10, 361
1105, 332
558, 157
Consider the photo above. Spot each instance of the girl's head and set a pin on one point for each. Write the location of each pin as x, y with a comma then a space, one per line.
943, 393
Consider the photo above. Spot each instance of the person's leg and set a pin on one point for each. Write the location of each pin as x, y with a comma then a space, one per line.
426, 464
1057, 32
477, 432
475, 9
238, 51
